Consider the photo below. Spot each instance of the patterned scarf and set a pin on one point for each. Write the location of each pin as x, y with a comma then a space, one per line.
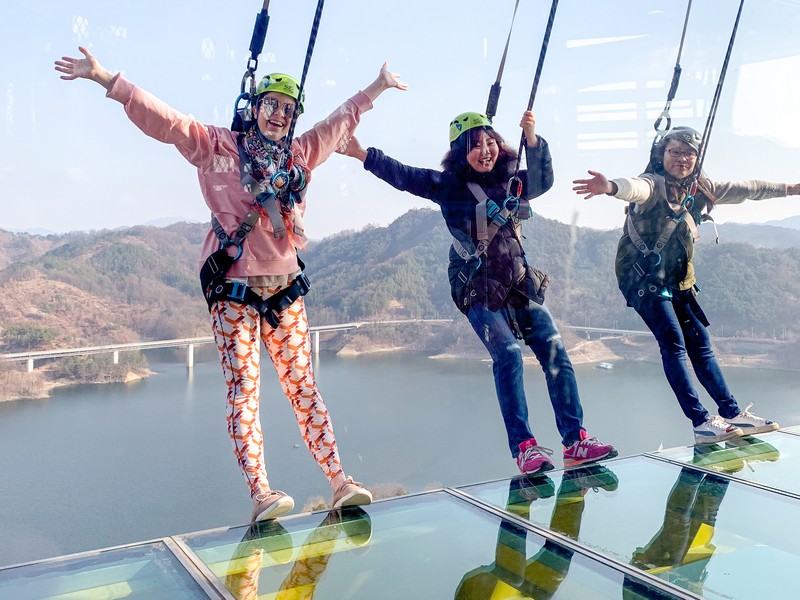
265, 160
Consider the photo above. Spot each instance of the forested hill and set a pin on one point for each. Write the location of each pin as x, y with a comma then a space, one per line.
140, 283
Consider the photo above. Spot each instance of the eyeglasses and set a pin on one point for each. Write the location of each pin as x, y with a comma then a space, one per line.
271, 105
675, 153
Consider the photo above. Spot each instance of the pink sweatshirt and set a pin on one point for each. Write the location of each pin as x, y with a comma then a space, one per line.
213, 151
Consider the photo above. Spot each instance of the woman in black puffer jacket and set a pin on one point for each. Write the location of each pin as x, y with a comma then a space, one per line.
501, 295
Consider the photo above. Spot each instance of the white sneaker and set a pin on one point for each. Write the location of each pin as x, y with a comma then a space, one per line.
750, 423
715, 429
270, 505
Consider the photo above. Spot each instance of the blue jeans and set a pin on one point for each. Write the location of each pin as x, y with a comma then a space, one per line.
679, 326
539, 332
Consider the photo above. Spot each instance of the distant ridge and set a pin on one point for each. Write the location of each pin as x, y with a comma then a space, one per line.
140, 283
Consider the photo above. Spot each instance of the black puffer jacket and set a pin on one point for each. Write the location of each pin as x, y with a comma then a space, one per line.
504, 267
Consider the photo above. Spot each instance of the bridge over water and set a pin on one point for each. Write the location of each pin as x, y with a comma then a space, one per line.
191, 343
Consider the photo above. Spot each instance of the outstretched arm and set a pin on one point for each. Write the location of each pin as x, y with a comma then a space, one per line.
84, 68
385, 80
596, 186
793, 189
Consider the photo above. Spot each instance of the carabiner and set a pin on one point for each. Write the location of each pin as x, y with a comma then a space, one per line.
279, 179
510, 199
519, 188
660, 132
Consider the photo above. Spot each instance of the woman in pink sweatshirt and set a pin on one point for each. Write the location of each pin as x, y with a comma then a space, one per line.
245, 178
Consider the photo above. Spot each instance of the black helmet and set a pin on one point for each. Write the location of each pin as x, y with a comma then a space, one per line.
687, 135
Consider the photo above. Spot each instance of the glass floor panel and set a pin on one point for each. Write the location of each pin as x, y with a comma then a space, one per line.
427, 546
146, 572
794, 430
769, 459
716, 537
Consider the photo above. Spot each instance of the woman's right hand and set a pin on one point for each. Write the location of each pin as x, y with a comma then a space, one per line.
596, 186
84, 68
352, 147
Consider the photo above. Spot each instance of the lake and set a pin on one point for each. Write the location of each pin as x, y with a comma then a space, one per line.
103, 465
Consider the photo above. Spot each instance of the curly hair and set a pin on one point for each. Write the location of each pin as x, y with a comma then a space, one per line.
455, 161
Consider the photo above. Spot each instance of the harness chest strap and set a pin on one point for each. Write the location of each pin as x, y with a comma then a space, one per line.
266, 198
485, 231
666, 232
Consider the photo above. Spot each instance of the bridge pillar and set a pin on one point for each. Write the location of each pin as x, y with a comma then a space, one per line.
116, 357
30, 365
190, 356
315, 343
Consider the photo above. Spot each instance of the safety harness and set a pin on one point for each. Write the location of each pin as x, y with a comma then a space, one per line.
641, 274
642, 269
267, 196
489, 218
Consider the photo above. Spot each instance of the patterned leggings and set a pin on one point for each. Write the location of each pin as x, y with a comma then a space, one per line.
238, 332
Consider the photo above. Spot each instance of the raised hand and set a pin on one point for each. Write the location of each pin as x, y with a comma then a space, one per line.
385, 80
84, 68
528, 124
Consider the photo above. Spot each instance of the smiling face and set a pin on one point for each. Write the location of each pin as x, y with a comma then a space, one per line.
482, 156
679, 159
274, 115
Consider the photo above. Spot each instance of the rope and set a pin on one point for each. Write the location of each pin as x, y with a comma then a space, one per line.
241, 118
287, 157
494, 92
701, 155
542, 54
676, 76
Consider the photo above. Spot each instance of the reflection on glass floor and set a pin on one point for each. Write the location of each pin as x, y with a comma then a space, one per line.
719, 521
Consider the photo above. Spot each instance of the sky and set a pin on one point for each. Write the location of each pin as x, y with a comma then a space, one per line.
72, 161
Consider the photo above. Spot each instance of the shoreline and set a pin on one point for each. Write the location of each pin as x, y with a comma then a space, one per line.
19, 385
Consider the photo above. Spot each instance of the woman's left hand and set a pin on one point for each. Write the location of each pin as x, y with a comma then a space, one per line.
528, 124
385, 80
793, 189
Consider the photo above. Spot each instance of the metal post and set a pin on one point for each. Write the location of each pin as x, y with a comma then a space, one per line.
190, 356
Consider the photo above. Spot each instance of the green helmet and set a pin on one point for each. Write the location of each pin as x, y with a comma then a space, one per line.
465, 122
283, 83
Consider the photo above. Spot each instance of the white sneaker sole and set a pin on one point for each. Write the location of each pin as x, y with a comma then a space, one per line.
711, 439
750, 430
275, 510
354, 499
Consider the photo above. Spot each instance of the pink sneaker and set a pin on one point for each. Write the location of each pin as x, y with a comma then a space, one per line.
587, 450
533, 459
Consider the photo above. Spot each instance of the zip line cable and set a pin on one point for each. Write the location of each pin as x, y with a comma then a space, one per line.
309, 51
494, 92
240, 115
542, 54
